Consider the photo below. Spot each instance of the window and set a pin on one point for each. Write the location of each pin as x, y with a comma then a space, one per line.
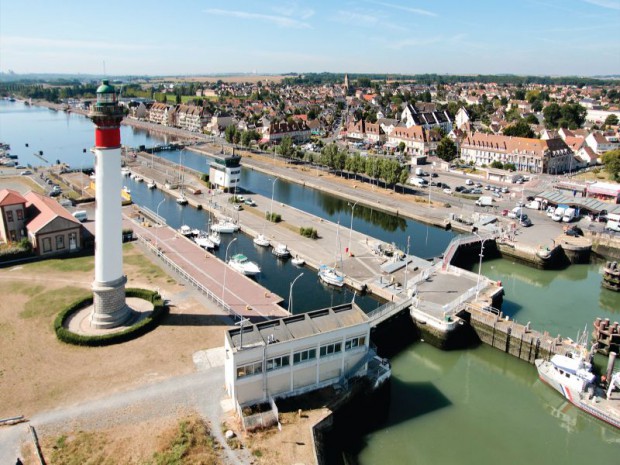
354, 342
9, 216
20, 214
249, 369
60, 242
276, 363
330, 349
47, 244
304, 356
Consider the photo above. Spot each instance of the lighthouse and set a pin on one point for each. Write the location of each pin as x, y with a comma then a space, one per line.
109, 307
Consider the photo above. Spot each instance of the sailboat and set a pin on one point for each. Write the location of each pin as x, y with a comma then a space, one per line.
329, 274
261, 241
181, 200
214, 236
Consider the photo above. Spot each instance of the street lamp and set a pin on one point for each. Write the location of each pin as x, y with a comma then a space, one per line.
159, 224
407, 264
290, 294
351, 229
226, 268
482, 241
273, 188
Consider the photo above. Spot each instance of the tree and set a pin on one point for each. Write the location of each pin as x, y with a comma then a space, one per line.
611, 120
446, 149
497, 164
552, 114
531, 119
286, 148
229, 133
401, 147
519, 129
611, 160
178, 99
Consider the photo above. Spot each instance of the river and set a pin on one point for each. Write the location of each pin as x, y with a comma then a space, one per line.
478, 406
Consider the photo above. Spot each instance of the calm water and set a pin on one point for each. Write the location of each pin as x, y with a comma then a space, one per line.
468, 407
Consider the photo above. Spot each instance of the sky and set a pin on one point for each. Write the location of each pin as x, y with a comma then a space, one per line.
182, 37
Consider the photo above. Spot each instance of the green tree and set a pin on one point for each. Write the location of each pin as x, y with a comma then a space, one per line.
519, 129
401, 147
286, 148
552, 114
446, 149
611, 120
497, 164
531, 119
229, 134
178, 99
611, 160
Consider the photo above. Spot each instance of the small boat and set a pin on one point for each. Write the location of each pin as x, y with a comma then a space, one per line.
573, 378
138, 179
329, 275
261, 241
125, 171
225, 227
185, 230
151, 185
203, 241
240, 263
182, 200
281, 251
127, 189
214, 237
298, 261
196, 232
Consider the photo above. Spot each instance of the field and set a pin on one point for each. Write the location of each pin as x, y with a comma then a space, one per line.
252, 78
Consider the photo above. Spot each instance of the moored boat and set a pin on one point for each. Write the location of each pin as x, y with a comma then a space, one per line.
182, 200
214, 237
203, 241
151, 184
185, 230
261, 241
329, 275
225, 227
281, 251
298, 261
573, 378
242, 264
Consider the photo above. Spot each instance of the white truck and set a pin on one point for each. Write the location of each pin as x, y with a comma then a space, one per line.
613, 222
418, 182
569, 215
485, 201
419, 172
535, 204
558, 214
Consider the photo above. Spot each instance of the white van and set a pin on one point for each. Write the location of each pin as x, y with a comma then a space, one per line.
613, 222
81, 215
419, 182
515, 212
558, 214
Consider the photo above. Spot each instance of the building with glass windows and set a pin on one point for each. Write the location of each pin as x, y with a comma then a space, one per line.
296, 354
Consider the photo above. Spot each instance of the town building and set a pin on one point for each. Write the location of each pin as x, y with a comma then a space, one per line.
411, 116
12, 216
534, 155
418, 141
189, 117
160, 113
599, 143
297, 130
297, 354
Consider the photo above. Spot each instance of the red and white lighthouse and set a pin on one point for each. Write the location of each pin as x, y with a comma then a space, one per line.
109, 307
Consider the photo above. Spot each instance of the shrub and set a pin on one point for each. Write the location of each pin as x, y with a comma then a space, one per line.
142, 327
309, 232
273, 217
15, 251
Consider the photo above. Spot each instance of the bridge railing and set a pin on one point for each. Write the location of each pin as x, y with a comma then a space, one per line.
187, 277
387, 308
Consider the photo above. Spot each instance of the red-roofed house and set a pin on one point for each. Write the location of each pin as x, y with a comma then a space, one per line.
12, 216
51, 229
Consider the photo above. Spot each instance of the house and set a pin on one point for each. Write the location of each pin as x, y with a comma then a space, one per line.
387, 124
418, 141
219, 122
534, 155
12, 216
296, 130
296, 354
435, 119
159, 113
51, 228
597, 142
462, 118
189, 117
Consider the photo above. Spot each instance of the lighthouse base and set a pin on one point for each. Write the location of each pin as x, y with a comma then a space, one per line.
109, 307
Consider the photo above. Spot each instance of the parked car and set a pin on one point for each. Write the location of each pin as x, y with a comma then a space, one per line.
525, 222
434, 175
574, 231
469, 182
447, 190
26, 173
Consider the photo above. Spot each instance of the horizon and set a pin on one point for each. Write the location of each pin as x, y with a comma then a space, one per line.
213, 37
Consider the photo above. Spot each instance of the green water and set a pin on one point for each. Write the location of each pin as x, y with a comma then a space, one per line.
481, 406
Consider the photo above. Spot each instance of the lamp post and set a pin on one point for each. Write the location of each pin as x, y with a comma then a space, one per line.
482, 241
407, 264
290, 294
158, 223
226, 268
273, 188
351, 228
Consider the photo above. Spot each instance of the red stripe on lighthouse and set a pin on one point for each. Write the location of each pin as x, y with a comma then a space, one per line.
107, 137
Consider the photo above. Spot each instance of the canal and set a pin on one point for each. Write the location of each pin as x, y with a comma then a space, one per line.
478, 406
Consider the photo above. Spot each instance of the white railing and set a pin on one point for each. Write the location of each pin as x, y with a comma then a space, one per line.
186, 276
390, 307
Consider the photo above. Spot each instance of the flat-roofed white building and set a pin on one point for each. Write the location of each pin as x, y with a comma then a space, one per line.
296, 354
225, 171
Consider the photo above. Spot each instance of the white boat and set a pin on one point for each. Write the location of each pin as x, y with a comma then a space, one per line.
185, 230
196, 232
125, 171
182, 200
261, 241
298, 261
281, 251
329, 275
225, 227
573, 378
151, 185
126, 189
240, 263
214, 237
203, 241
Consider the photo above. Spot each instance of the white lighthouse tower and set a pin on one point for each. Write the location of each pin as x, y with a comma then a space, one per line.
109, 307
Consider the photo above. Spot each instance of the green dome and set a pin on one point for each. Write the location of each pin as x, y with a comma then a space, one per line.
105, 87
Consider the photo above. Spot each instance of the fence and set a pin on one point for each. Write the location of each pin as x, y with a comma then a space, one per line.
193, 282
260, 419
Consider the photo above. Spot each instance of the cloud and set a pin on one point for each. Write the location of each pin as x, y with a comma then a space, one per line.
366, 20
415, 11
612, 4
400, 44
282, 21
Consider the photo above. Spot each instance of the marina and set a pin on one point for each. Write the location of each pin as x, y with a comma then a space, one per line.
460, 386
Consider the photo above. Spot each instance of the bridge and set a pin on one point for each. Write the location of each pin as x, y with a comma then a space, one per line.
458, 241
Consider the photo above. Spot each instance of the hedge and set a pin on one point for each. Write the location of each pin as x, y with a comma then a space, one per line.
140, 328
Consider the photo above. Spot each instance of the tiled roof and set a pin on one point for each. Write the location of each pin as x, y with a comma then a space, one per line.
49, 210
10, 197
